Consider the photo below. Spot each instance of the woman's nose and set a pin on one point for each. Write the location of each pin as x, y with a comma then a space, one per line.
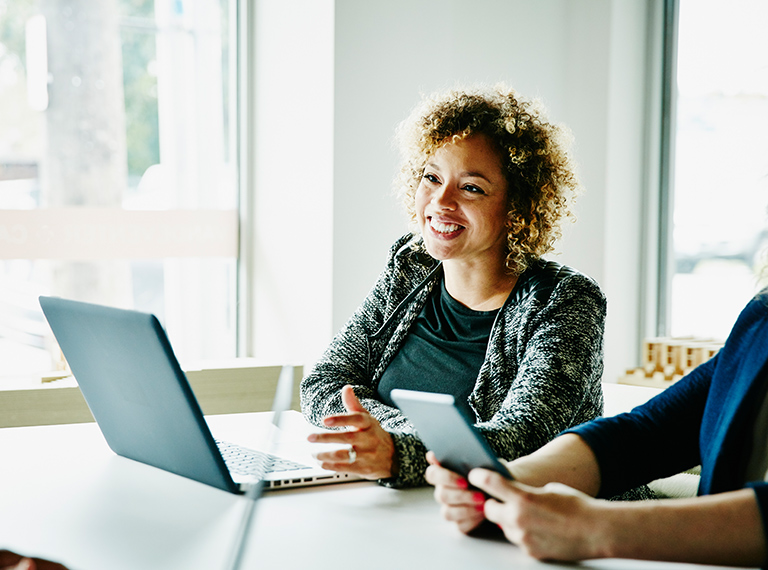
444, 198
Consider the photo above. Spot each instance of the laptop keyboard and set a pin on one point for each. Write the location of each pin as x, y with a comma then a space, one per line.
246, 461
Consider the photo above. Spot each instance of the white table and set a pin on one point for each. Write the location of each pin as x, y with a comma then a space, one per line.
65, 496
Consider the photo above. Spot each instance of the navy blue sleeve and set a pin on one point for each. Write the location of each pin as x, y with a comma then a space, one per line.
658, 439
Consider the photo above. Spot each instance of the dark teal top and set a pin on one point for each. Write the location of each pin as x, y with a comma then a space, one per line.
443, 352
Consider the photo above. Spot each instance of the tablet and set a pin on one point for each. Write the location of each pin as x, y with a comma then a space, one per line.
447, 432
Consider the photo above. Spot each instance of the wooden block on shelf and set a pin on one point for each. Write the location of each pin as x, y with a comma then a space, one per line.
637, 377
653, 355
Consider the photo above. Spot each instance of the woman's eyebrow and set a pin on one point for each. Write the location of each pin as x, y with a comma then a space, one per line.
465, 174
470, 174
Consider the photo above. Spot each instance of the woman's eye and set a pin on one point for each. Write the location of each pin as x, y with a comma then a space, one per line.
474, 189
431, 178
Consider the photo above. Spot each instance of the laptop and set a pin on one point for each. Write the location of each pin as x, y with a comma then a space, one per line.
141, 399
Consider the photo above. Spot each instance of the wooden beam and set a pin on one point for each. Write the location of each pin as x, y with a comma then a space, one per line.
219, 391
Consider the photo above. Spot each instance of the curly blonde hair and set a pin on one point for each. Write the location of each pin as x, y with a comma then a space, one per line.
541, 176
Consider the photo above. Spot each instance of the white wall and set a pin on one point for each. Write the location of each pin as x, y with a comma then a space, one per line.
292, 199
586, 59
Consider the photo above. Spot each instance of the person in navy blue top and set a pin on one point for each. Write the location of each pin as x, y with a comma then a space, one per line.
716, 417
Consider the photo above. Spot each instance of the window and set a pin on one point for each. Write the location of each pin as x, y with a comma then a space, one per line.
118, 180
720, 226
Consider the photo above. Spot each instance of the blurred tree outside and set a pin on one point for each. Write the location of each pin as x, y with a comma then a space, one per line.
85, 162
139, 49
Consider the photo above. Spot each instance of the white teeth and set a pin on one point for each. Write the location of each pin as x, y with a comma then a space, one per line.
443, 228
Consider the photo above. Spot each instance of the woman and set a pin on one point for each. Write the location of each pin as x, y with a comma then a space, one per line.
717, 416
465, 304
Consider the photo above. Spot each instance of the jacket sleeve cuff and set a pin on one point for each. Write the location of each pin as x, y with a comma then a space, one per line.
410, 455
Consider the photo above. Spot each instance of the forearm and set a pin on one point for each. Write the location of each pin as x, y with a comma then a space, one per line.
566, 459
725, 528
657, 439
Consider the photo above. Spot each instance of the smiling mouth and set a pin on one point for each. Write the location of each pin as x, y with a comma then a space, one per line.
442, 228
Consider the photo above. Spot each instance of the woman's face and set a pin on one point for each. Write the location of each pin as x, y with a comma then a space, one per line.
461, 203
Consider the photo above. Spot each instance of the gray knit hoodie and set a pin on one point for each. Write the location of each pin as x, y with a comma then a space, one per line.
542, 369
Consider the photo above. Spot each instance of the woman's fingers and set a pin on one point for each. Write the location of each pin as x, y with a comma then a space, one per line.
459, 504
357, 416
450, 488
339, 460
464, 508
355, 420
371, 451
346, 437
553, 522
350, 401
466, 519
440, 476
341, 455
494, 484
546, 522
432, 458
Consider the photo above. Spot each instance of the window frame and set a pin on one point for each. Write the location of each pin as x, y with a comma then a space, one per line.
667, 122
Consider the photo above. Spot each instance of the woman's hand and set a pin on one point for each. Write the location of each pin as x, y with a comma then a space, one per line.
372, 451
557, 522
459, 504
553, 522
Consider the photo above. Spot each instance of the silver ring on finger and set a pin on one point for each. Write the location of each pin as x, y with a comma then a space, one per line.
352, 454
